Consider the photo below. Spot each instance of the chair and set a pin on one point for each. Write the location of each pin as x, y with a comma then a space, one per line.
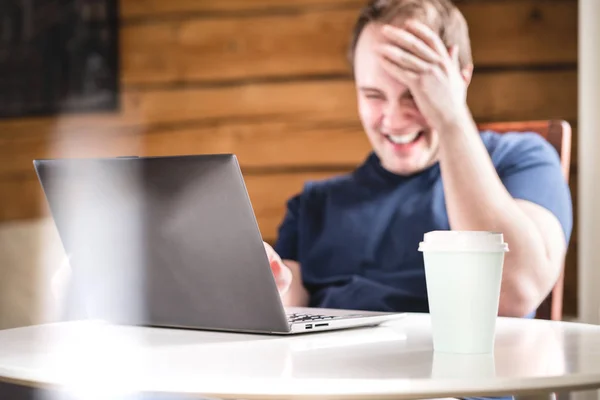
558, 134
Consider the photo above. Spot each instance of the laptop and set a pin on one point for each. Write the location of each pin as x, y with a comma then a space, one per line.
172, 242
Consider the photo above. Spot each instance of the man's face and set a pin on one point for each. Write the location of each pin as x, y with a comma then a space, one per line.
397, 131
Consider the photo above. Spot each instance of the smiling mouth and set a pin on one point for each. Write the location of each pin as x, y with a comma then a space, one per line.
405, 139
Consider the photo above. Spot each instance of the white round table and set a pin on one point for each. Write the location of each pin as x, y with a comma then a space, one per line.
394, 360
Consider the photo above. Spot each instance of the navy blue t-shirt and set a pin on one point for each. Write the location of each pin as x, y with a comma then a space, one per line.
356, 236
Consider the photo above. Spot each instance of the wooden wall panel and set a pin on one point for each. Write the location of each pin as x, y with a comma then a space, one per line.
259, 145
492, 96
315, 42
147, 119
152, 8
522, 32
237, 48
21, 198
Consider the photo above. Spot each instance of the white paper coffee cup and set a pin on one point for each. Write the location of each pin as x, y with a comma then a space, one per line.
463, 270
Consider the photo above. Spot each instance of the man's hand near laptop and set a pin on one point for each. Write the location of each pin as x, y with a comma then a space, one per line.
287, 277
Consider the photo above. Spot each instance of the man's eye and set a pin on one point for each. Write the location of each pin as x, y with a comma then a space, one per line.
374, 96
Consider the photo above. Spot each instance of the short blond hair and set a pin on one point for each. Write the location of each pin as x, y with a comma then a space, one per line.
440, 15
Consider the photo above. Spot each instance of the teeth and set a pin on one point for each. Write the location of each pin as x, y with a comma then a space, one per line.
404, 139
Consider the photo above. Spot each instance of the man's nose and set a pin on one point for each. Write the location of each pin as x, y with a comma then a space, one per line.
395, 117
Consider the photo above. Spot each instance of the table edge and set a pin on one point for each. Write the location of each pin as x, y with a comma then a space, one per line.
535, 386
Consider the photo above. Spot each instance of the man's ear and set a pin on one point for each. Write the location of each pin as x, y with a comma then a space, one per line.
467, 73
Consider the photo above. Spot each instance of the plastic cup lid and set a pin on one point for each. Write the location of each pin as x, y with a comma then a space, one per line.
463, 241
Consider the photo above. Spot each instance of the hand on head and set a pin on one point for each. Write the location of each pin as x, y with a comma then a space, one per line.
416, 56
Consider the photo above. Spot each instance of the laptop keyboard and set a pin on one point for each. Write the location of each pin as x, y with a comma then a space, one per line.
309, 317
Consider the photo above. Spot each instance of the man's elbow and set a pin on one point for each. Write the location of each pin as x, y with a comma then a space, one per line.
516, 305
521, 298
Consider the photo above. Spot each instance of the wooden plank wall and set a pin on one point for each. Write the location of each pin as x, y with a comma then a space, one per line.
267, 80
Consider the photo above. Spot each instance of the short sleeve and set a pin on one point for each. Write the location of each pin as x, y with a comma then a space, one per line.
530, 169
286, 244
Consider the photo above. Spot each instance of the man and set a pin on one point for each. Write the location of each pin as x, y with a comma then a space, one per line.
351, 242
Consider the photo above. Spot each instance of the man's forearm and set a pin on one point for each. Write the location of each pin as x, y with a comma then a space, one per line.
476, 199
